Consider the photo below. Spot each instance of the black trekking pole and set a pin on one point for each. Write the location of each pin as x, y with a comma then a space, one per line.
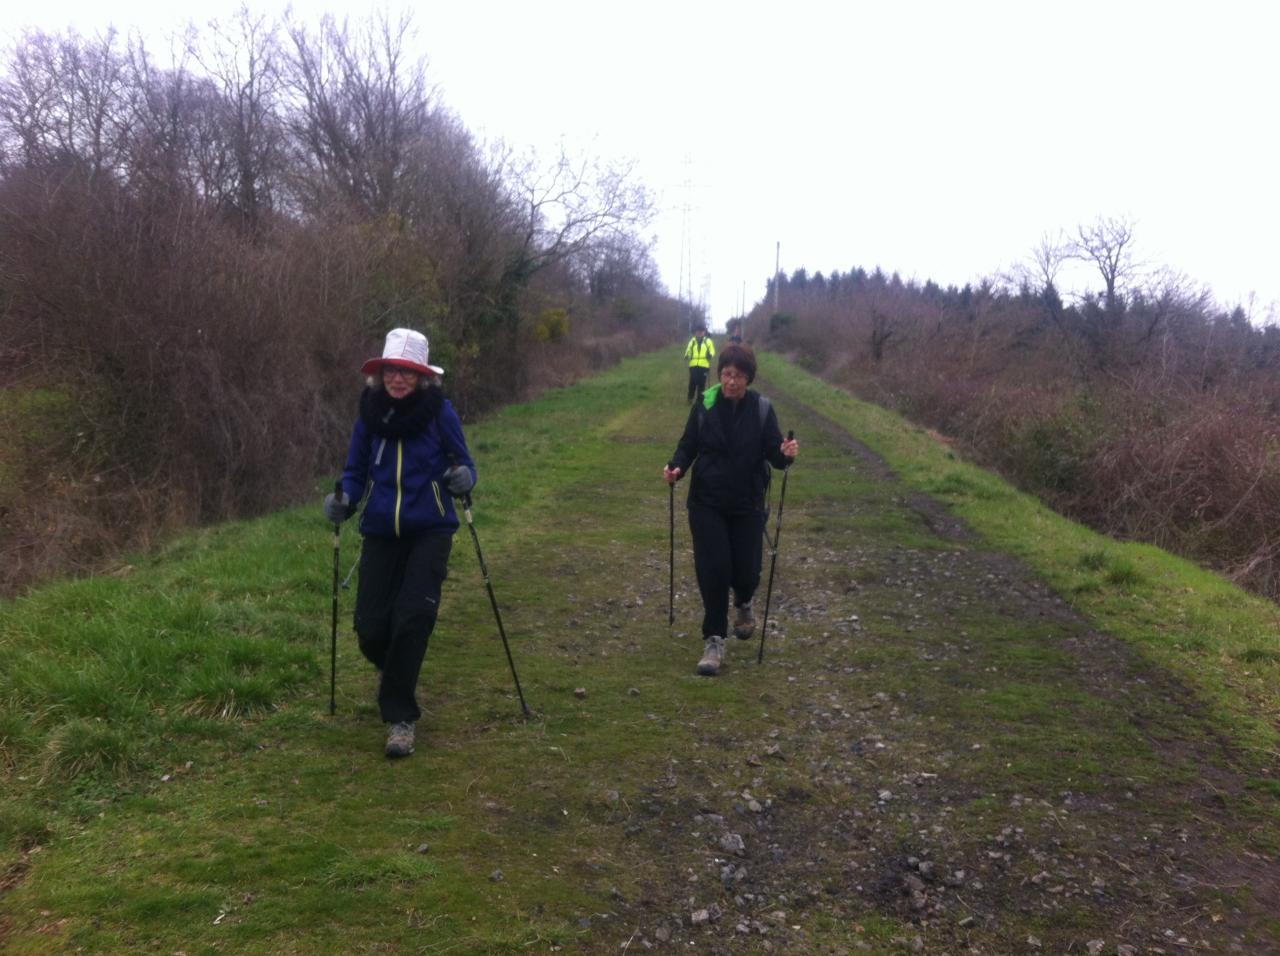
773, 561
484, 573
671, 604
333, 643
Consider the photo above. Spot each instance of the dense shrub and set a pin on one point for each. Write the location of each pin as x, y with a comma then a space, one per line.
194, 264
1153, 417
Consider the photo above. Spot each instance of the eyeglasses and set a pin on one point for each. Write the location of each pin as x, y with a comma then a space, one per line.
729, 375
391, 371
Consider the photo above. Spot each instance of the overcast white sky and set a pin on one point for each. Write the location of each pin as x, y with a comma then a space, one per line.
937, 139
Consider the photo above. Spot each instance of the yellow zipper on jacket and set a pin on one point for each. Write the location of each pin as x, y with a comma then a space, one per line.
399, 473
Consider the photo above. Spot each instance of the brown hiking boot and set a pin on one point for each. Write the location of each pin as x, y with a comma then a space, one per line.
712, 656
400, 740
744, 622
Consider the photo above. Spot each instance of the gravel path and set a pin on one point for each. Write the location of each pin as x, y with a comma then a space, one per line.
957, 763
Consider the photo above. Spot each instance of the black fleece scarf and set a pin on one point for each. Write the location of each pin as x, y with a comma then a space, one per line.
400, 418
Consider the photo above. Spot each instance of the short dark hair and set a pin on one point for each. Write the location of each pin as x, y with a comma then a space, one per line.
740, 357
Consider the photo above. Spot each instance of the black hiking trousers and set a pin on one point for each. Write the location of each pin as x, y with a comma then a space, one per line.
697, 382
727, 550
396, 606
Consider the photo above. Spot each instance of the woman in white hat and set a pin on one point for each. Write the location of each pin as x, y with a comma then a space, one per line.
408, 456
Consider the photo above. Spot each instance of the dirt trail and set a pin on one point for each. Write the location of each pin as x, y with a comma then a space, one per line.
957, 763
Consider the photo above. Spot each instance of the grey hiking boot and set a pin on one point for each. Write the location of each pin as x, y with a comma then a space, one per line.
400, 739
712, 656
744, 622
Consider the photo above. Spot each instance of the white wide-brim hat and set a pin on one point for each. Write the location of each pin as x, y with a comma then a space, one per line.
405, 348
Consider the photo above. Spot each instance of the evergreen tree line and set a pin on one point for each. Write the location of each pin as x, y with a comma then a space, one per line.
1140, 408
197, 253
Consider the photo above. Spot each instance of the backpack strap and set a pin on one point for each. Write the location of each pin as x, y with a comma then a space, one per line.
763, 406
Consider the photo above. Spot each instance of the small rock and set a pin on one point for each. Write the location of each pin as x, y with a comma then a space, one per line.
496, 876
424, 847
580, 693
1095, 946
1033, 942
966, 922
732, 843
662, 934
884, 796
1124, 949
633, 691
700, 917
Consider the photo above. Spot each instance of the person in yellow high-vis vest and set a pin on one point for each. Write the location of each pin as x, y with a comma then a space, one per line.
700, 351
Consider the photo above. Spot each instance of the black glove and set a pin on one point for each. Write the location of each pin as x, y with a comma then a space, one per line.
458, 480
337, 508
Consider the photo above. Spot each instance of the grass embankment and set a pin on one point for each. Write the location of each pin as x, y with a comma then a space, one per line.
172, 780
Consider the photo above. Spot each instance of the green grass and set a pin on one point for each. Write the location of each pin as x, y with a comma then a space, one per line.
165, 738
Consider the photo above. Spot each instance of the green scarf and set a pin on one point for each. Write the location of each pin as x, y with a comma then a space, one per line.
709, 397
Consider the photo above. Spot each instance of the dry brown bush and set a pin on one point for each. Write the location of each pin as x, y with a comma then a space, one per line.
184, 304
1156, 418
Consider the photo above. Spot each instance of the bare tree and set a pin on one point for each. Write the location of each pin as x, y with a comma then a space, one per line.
572, 202
360, 105
65, 100
1108, 244
243, 60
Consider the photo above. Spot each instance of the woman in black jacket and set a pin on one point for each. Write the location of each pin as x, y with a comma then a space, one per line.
733, 435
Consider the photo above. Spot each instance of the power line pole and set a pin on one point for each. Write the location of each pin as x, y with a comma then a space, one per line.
686, 250
777, 265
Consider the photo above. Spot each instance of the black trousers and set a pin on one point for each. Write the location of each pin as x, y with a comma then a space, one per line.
396, 606
727, 551
697, 382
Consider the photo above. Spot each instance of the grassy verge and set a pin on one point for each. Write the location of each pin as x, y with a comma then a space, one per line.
166, 747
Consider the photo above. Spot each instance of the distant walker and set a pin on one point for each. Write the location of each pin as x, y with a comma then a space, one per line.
700, 351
